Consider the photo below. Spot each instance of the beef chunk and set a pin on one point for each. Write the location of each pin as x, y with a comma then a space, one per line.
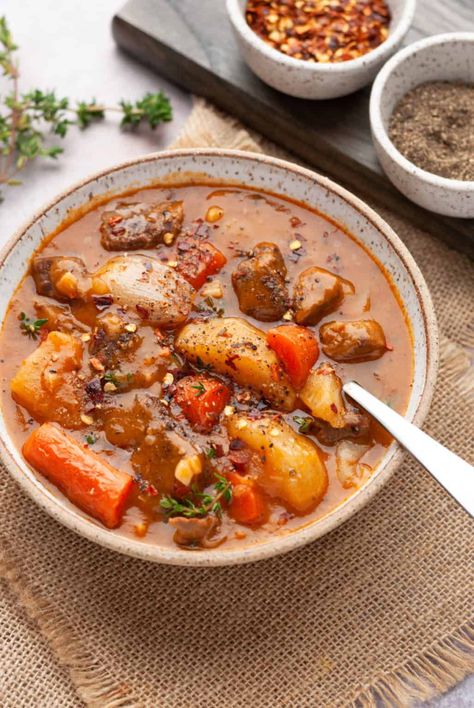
359, 340
132, 226
63, 278
317, 292
259, 282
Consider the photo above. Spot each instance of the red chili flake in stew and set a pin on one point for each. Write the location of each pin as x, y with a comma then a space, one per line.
143, 312
320, 30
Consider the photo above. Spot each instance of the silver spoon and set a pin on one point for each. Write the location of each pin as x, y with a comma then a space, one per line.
452, 473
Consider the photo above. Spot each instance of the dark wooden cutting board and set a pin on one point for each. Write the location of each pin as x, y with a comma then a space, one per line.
191, 43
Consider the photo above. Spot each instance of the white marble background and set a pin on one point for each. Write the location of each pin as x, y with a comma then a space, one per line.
67, 45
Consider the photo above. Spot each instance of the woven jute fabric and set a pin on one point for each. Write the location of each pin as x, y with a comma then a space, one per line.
379, 612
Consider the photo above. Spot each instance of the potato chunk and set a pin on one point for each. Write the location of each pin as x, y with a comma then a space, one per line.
292, 467
359, 340
322, 393
317, 292
46, 383
350, 471
234, 347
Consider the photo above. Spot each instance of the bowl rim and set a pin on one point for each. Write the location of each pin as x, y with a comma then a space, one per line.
237, 18
375, 111
93, 531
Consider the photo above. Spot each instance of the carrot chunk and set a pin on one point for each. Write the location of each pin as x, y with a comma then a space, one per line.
85, 478
202, 399
248, 504
198, 260
297, 349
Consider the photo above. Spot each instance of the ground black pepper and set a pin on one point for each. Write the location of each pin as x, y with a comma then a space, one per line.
433, 127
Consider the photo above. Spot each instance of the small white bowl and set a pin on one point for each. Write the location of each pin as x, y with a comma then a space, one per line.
304, 79
443, 57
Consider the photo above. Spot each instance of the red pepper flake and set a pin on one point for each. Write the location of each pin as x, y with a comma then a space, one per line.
230, 361
320, 30
333, 407
143, 312
151, 490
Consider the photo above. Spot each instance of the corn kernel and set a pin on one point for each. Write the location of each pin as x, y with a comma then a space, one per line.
109, 387
130, 327
288, 316
168, 379
295, 245
214, 213
168, 239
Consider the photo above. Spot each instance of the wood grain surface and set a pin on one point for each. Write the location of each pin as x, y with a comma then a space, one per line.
191, 43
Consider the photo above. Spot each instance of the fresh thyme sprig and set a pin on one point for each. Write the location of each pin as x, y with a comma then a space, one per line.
209, 503
304, 423
30, 327
26, 119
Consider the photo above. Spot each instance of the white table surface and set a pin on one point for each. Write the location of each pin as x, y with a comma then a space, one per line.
67, 45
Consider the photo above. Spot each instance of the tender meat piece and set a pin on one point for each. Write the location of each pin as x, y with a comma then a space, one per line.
318, 292
259, 283
356, 427
195, 532
132, 226
112, 344
62, 277
359, 340
59, 318
153, 290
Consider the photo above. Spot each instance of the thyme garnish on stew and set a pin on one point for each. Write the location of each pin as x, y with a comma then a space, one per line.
209, 503
304, 423
31, 327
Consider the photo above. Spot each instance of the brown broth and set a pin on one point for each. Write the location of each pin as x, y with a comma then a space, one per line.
249, 217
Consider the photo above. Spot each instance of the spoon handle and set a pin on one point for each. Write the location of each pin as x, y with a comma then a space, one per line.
453, 473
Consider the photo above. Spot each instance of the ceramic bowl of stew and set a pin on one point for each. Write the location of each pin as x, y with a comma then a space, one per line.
176, 332
317, 80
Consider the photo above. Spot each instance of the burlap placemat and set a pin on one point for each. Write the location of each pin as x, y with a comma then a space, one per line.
378, 612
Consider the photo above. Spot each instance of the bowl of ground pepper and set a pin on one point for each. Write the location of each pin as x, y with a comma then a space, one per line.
422, 121
318, 49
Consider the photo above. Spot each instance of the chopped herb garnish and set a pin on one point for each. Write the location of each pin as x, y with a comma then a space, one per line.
208, 503
211, 453
304, 423
31, 327
111, 377
200, 388
91, 439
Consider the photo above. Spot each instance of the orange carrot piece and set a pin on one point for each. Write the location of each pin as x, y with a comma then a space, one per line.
297, 349
202, 399
198, 260
85, 478
248, 504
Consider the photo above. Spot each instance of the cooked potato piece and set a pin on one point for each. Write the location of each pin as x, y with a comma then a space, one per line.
322, 393
145, 285
46, 383
259, 282
351, 472
292, 467
359, 340
234, 347
317, 292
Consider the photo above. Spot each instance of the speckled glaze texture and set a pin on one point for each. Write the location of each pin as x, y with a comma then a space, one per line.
304, 79
227, 166
444, 57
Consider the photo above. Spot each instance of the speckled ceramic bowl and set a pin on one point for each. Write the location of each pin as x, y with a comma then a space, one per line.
238, 168
304, 79
444, 57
